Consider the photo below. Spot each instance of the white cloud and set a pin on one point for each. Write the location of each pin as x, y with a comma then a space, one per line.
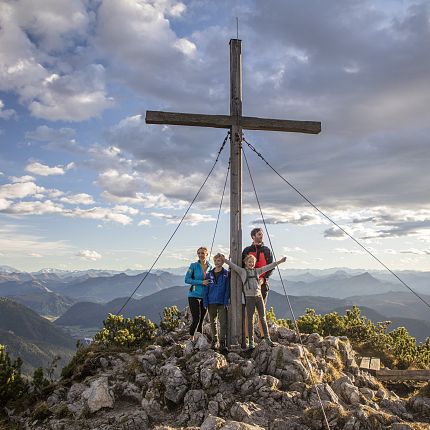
31, 34
37, 168
334, 233
144, 222
54, 139
19, 190
78, 199
186, 47
34, 208
103, 214
4, 204
25, 178
6, 113
86, 254
191, 219
293, 217
85, 96
125, 210
19, 243
43, 133
349, 251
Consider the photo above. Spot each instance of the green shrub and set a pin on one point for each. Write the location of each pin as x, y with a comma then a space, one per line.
39, 381
12, 385
126, 332
171, 319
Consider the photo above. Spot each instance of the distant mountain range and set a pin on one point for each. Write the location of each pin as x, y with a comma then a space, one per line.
91, 315
48, 294
32, 337
52, 292
339, 285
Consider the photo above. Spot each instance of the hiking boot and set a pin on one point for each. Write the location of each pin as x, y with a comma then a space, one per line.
269, 341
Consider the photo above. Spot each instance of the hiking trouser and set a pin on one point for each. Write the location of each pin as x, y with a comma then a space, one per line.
253, 302
198, 313
218, 312
265, 291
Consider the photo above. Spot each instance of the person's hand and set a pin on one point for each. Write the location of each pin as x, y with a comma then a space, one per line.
283, 259
205, 282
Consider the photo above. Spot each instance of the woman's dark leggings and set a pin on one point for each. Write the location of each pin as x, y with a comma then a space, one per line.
198, 313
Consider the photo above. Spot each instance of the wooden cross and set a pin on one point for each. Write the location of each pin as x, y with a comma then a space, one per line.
236, 123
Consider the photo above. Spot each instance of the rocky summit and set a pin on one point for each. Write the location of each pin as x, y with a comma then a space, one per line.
177, 383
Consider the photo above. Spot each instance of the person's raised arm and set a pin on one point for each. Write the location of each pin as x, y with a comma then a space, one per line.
235, 267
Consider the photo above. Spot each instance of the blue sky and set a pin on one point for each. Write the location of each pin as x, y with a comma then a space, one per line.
84, 182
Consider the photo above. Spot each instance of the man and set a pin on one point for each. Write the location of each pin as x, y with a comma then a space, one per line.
263, 256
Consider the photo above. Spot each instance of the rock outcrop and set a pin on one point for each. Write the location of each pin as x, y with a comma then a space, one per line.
179, 383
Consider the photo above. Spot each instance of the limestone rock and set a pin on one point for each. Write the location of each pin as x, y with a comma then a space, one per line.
98, 395
174, 381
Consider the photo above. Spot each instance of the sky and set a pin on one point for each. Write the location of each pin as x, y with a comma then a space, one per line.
85, 183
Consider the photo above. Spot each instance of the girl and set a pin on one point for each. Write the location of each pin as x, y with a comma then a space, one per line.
252, 291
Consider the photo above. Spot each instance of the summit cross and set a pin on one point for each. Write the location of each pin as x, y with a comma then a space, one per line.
236, 123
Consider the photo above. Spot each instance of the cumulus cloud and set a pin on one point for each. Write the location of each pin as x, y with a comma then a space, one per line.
144, 222
191, 219
52, 89
6, 113
141, 51
53, 139
334, 233
19, 190
37, 168
102, 214
295, 217
19, 179
78, 199
34, 208
86, 254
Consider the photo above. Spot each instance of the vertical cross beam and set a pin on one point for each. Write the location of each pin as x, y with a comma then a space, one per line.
235, 331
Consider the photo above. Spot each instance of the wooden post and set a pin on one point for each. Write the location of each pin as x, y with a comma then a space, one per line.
235, 122
235, 313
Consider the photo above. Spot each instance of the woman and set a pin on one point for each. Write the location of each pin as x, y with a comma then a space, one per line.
196, 277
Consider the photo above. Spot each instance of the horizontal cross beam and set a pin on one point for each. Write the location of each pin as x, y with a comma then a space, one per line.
226, 121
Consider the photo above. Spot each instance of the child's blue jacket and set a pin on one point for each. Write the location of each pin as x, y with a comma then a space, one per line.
218, 290
195, 276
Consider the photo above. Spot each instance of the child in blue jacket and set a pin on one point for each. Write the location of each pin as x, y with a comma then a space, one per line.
216, 297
